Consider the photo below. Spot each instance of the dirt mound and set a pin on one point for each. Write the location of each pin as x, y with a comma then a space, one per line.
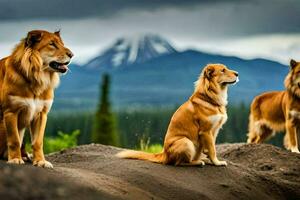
27, 182
253, 172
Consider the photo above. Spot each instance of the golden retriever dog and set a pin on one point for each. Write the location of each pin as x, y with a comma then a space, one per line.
278, 111
28, 78
195, 125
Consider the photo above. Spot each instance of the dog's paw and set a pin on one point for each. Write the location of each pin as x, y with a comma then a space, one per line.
220, 163
42, 163
202, 163
206, 160
17, 161
198, 162
295, 150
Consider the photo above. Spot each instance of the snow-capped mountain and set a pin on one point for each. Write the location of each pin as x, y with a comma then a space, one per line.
131, 50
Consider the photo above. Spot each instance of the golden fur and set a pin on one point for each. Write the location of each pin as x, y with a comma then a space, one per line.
28, 78
195, 125
278, 111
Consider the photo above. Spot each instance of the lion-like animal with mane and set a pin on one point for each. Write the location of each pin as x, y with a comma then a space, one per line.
28, 78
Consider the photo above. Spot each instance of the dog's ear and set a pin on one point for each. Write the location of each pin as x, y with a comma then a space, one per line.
57, 33
293, 63
208, 73
32, 38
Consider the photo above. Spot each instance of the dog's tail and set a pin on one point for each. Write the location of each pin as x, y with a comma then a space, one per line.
139, 155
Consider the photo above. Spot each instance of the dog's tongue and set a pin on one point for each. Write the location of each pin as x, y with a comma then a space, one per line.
64, 67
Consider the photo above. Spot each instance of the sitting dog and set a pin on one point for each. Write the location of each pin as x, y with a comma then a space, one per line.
28, 78
195, 125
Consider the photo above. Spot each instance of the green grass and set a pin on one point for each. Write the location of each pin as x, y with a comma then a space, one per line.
58, 143
153, 148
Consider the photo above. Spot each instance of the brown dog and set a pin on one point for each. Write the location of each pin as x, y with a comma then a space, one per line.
278, 111
195, 125
28, 78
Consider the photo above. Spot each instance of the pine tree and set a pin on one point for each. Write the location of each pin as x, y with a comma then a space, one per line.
104, 127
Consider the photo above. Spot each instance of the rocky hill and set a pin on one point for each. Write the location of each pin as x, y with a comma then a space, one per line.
92, 172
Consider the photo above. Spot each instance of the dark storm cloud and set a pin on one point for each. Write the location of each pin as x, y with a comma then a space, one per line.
60, 9
189, 18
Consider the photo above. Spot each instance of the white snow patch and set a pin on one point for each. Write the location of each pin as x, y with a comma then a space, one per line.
134, 48
117, 58
159, 48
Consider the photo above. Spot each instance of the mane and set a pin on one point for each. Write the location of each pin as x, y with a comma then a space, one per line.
210, 90
29, 64
290, 86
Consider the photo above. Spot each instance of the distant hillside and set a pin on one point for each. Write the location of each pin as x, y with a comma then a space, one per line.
165, 79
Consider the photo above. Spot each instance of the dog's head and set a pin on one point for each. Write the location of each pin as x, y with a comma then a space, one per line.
220, 75
53, 54
292, 81
213, 82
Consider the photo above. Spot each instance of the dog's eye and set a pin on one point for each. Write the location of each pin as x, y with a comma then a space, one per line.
52, 44
223, 70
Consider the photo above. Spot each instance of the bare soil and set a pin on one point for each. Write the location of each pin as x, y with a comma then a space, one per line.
92, 172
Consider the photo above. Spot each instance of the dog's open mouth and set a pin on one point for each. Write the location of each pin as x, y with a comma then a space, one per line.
60, 67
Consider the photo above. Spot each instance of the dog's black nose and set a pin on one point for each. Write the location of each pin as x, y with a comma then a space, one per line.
70, 54
236, 73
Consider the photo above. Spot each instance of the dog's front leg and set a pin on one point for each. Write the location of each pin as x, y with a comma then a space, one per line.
37, 129
13, 138
291, 132
211, 148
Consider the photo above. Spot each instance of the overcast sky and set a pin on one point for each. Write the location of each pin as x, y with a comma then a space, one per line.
250, 28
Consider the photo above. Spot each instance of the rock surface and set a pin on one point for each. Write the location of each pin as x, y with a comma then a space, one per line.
92, 172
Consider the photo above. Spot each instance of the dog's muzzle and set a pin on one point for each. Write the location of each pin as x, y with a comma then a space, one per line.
60, 67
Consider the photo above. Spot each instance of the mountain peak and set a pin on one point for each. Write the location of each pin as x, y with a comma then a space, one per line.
132, 49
